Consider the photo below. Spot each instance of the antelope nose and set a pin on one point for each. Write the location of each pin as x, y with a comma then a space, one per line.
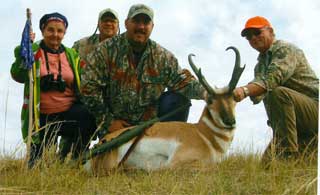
229, 121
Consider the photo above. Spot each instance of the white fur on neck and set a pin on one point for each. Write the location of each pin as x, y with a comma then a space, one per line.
150, 153
208, 122
229, 133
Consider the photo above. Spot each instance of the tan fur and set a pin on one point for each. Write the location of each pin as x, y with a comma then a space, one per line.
192, 147
197, 142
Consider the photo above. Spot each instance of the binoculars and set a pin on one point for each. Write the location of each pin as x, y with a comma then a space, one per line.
48, 83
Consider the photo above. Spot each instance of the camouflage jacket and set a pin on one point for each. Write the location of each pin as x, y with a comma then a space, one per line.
115, 88
85, 45
285, 65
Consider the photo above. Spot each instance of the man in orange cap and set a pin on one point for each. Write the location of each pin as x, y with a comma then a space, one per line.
288, 86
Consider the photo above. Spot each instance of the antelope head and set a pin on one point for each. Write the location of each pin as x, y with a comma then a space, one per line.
220, 107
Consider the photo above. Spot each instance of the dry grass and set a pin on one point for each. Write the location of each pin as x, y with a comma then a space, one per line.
238, 174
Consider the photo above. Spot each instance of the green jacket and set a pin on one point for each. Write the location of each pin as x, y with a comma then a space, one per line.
20, 74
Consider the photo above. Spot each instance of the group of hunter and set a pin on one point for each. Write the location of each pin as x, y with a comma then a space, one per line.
109, 81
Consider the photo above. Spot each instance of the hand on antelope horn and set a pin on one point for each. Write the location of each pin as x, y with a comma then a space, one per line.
238, 94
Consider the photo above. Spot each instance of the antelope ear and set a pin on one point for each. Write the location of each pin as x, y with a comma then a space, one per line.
205, 95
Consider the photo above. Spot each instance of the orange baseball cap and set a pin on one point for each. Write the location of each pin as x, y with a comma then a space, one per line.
255, 22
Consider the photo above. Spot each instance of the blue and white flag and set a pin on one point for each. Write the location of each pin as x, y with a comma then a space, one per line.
26, 46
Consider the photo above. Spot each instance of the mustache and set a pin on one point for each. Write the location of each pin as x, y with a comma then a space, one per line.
140, 31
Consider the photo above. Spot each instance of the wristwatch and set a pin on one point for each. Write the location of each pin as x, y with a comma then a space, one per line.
245, 91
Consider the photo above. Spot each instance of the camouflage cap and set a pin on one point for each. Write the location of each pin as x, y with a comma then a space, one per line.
140, 9
108, 10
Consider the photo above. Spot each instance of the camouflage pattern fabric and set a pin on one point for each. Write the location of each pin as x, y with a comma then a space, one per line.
86, 45
114, 87
291, 100
285, 65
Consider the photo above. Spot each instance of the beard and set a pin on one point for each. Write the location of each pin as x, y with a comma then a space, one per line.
138, 39
137, 46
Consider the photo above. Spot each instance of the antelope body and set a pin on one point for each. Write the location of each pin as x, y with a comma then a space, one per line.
170, 144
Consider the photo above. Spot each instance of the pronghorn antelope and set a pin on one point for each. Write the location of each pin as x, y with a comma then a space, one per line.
168, 144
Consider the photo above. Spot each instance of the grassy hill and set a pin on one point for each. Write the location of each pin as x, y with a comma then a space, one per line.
238, 174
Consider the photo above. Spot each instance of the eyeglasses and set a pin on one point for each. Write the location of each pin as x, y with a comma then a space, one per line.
108, 19
251, 32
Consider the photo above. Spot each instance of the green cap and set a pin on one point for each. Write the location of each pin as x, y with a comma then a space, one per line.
110, 11
140, 9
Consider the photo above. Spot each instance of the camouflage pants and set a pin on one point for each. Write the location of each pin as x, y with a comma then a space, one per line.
294, 120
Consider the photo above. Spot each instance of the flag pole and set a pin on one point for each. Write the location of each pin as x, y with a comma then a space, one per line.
30, 126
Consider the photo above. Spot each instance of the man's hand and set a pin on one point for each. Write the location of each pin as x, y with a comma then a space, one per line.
251, 90
239, 94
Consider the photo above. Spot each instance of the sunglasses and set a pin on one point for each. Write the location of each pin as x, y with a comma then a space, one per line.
108, 19
251, 32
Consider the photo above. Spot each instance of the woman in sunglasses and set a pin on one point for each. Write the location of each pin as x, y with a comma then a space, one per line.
57, 110
288, 87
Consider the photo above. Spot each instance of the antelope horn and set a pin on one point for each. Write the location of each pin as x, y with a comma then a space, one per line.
237, 70
201, 78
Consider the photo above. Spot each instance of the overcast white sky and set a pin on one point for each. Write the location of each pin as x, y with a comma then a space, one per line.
202, 27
